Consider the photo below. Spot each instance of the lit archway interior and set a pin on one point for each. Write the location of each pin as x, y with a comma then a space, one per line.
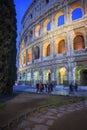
80, 74
59, 19
46, 76
76, 9
60, 46
47, 25
78, 42
37, 31
36, 77
46, 49
61, 75
37, 52
28, 76
29, 55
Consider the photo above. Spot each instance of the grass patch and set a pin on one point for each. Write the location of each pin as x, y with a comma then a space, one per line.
59, 101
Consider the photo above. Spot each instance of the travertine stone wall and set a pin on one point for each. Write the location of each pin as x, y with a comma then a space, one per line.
56, 64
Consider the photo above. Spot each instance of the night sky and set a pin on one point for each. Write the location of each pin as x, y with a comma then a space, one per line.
21, 6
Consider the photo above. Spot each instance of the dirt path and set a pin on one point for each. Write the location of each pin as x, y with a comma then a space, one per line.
19, 104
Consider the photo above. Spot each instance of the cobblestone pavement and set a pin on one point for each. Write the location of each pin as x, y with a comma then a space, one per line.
45, 119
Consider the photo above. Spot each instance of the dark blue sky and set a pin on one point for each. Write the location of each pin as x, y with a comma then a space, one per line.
21, 6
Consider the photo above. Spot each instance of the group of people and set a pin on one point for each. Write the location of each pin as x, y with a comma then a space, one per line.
48, 88
73, 87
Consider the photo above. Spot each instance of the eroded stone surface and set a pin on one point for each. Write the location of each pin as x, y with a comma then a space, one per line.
40, 127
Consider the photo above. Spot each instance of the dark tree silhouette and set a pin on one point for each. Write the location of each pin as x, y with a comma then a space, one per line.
8, 36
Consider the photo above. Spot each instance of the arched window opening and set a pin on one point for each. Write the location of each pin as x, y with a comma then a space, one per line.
61, 75
81, 75
48, 50
29, 55
37, 31
61, 47
28, 76
77, 14
49, 26
36, 77
46, 76
37, 52
78, 43
61, 20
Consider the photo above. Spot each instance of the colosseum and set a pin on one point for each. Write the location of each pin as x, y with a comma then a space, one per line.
53, 42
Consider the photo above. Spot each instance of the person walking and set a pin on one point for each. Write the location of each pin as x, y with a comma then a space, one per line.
76, 87
71, 87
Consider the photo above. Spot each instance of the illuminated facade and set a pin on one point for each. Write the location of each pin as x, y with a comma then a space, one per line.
53, 42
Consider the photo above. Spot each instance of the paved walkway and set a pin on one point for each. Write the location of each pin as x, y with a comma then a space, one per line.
45, 119
82, 91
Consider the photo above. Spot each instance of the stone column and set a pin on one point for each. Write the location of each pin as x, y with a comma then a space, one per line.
41, 26
70, 70
85, 7
67, 15
25, 75
86, 37
41, 75
53, 73
52, 49
32, 76
68, 43
52, 22
41, 52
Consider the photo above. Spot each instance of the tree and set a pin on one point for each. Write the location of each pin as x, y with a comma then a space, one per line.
8, 36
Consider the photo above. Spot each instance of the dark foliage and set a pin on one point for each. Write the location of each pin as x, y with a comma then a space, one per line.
7, 46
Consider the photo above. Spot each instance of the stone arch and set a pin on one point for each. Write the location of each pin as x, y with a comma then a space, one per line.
37, 52
36, 76
46, 49
45, 25
60, 46
78, 42
46, 76
80, 73
58, 18
37, 31
73, 12
61, 75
